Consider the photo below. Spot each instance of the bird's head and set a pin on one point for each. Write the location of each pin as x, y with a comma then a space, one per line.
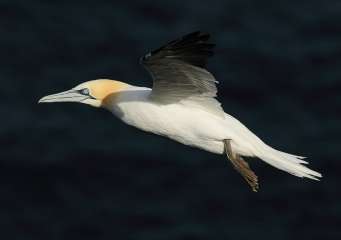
96, 93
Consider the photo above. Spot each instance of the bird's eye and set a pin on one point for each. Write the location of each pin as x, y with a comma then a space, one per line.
84, 91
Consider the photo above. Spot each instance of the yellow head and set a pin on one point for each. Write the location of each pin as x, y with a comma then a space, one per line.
96, 93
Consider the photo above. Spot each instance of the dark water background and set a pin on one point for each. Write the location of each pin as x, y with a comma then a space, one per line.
68, 171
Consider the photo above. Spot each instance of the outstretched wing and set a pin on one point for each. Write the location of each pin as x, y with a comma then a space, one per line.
179, 74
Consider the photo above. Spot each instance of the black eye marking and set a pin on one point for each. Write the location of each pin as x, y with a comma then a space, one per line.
84, 91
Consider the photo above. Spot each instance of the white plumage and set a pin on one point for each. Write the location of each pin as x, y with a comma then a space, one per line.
182, 106
202, 129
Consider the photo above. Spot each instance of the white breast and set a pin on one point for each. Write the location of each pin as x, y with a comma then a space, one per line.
192, 125
182, 123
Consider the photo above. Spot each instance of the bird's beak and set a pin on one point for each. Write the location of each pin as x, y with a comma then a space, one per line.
67, 96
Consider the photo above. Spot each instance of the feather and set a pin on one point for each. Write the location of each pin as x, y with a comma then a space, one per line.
178, 73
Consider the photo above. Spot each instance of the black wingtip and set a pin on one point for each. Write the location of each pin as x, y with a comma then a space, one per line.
196, 37
192, 48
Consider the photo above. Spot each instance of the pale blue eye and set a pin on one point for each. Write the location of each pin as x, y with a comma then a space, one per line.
84, 91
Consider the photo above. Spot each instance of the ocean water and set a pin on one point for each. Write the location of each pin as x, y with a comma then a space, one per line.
69, 171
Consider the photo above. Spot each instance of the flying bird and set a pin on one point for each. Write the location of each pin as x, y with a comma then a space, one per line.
182, 106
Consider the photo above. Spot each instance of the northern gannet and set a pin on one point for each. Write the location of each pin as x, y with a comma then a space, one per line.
182, 106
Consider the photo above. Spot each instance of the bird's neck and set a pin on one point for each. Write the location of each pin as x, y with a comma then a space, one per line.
130, 94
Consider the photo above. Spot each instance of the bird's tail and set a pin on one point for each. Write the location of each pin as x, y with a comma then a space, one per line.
287, 162
290, 163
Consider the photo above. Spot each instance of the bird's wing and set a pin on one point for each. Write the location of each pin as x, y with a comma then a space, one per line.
179, 74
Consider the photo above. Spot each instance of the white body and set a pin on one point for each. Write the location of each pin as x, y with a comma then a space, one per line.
202, 129
183, 123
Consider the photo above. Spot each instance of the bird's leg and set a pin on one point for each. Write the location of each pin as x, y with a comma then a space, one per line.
241, 166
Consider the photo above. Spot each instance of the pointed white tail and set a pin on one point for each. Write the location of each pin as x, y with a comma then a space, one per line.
287, 162
284, 161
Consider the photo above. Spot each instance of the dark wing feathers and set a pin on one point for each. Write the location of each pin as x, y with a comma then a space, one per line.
178, 71
192, 48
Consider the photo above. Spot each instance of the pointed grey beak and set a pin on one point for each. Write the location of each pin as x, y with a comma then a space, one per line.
67, 96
